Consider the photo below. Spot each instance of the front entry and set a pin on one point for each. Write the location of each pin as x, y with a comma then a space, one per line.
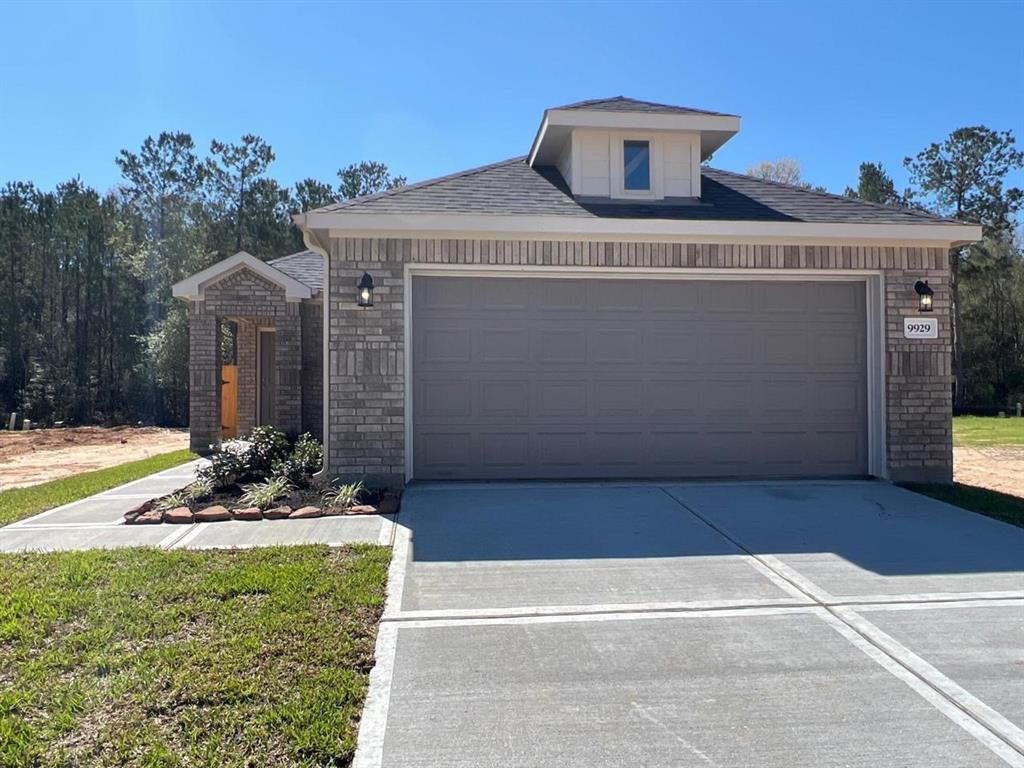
266, 376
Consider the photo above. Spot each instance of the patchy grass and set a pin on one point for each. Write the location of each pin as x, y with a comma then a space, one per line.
1001, 506
154, 659
19, 503
988, 430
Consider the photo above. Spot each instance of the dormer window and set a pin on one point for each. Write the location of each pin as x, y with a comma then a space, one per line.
636, 165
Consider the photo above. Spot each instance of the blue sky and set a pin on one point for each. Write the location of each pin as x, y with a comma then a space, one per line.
431, 89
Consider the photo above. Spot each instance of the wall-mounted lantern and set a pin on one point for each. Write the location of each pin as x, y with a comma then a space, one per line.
925, 294
364, 296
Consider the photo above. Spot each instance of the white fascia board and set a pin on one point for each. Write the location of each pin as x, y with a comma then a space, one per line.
641, 121
727, 125
543, 129
191, 288
636, 230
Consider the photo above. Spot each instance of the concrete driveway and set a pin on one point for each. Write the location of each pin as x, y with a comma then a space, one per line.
789, 624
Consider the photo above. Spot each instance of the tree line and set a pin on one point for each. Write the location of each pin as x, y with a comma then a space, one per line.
963, 177
89, 332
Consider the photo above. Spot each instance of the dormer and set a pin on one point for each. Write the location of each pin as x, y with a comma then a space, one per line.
628, 150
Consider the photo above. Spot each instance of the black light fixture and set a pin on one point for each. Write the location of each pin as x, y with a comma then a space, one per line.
925, 293
365, 291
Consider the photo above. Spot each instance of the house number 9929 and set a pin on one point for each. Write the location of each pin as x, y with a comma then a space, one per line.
920, 328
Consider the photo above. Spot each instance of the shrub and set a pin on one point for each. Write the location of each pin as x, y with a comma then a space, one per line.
345, 495
267, 446
306, 458
254, 458
226, 465
264, 494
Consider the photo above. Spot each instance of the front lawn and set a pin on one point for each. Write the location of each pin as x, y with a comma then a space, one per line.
1001, 506
19, 503
987, 430
140, 657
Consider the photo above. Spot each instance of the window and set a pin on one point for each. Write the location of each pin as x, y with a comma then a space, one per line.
636, 165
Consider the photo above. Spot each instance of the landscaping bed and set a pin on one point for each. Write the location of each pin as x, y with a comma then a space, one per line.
264, 477
146, 658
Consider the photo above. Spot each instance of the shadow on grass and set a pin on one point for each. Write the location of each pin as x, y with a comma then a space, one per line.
1000, 506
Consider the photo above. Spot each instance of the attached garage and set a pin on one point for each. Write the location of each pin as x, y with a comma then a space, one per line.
563, 376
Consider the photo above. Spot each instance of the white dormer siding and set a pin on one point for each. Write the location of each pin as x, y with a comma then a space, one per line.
592, 164
586, 143
593, 178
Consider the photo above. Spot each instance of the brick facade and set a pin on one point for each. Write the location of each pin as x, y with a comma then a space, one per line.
312, 315
254, 303
366, 419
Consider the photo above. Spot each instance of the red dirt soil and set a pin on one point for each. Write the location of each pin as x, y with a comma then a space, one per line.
40, 455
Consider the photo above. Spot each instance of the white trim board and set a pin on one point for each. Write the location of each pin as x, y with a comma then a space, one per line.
191, 288
874, 287
350, 223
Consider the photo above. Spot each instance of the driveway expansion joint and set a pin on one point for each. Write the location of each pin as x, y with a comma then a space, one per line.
949, 692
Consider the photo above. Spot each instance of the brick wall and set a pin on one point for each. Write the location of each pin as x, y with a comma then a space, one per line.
203, 380
246, 346
367, 420
312, 315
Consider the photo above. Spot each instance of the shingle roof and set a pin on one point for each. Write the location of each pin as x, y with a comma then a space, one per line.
512, 187
305, 266
626, 104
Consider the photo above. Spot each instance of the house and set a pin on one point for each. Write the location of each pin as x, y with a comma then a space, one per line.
605, 306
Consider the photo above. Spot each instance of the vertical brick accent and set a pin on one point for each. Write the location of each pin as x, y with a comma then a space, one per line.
312, 315
288, 361
919, 392
204, 379
246, 348
367, 382
366, 419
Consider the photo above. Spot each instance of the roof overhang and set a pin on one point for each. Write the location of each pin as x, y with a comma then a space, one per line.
558, 124
191, 288
338, 225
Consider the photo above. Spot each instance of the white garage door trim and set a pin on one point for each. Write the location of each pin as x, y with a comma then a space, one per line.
875, 317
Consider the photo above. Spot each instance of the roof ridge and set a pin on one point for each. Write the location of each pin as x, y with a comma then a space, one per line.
589, 102
856, 200
418, 185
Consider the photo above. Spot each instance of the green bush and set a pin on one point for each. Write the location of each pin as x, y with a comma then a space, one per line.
267, 447
226, 466
252, 459
306, 458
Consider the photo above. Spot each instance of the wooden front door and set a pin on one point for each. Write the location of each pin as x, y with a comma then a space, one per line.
228, 401
267, 378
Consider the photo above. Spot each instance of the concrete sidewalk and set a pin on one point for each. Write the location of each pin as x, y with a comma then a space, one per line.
97, 522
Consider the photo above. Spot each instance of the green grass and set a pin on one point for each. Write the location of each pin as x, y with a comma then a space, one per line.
988, 430
19, 503
1001, 506
152, 659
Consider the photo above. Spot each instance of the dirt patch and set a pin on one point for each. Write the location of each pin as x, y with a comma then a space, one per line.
40, 455
998, 467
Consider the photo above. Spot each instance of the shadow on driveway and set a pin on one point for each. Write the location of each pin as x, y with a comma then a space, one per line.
877, 527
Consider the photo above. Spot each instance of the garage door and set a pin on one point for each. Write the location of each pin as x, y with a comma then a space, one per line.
599, 378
